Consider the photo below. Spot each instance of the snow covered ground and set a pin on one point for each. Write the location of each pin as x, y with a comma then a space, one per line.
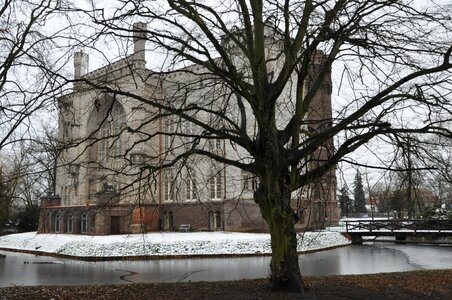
165, 244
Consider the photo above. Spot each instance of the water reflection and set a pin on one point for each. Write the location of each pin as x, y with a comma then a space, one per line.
355, 260
25, 269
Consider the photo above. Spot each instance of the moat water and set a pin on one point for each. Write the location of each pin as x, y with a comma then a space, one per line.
25, 269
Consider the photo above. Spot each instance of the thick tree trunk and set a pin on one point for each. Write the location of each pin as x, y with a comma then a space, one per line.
274, 198
285, 271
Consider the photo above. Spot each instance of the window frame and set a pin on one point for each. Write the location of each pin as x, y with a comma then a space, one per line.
191, 191
216, 186
169, 130
168, 187
84, 223
70, 223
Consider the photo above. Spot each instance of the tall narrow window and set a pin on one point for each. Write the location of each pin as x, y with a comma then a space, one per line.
191, 189
215, 220
168, 187
67, 129
70, 223
57, 223
117, 124
84, 223
105, 125
216, 186
168, 220
169, 130
67, 193
217, 216
117, 142
104, 143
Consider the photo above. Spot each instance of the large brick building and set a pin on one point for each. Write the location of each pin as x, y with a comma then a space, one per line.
103, 183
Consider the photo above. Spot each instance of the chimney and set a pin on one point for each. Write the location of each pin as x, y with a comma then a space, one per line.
80, 64
139, 40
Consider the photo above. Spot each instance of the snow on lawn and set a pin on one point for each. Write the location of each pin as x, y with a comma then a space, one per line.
168, 243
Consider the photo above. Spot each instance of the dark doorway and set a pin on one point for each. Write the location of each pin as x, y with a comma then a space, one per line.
115, 225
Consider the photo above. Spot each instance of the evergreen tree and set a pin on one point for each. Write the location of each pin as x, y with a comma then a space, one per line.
358, 193
28, 218
398, 202
345, 202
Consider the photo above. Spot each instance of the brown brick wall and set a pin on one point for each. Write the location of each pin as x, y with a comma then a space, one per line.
195, 214
244, 215
241, 216
99, 219
50, 201
145, 218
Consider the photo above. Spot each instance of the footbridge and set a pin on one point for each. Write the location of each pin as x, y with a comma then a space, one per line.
426, 230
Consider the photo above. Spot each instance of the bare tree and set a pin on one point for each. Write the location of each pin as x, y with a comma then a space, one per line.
252, 72
33, 170
27, 60
438, 155
5, 197
27, 174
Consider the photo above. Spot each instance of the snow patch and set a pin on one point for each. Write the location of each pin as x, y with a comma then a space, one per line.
165, 244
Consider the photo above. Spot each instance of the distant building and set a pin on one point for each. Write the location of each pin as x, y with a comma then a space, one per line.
428, 198
388, 201
98, 189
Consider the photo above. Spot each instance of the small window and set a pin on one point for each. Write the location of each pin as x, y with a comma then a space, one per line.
218, 144
249, 182
137, 158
